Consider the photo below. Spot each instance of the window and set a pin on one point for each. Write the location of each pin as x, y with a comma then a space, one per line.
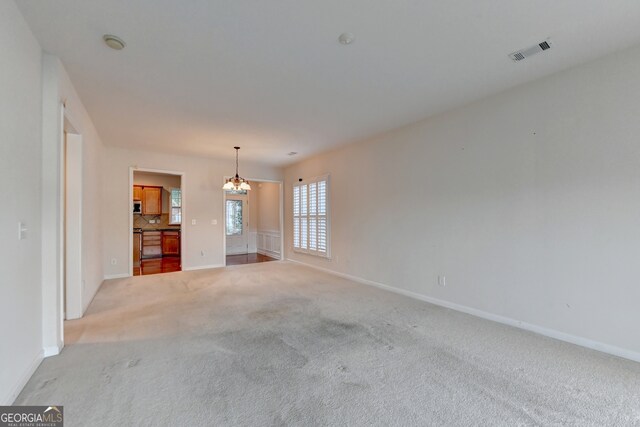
311, 216
234, 217
176, 206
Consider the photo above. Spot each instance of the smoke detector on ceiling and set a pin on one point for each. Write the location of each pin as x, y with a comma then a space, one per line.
346, 38
114, 42
525, 53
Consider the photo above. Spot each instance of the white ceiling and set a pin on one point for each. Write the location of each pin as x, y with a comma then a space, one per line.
200, 76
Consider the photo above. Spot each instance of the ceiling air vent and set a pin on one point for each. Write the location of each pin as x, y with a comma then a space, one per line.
525, 53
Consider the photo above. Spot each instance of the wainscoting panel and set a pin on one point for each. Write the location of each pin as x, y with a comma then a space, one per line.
269, 243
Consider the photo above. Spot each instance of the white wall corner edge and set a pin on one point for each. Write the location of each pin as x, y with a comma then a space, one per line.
551, 333
51, 351
22, 381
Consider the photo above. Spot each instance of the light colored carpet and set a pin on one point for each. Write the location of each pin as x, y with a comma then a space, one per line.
281, 344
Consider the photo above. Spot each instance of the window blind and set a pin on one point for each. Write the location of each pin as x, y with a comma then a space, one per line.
310, 216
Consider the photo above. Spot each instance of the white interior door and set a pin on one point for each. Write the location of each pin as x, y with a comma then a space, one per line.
237, 224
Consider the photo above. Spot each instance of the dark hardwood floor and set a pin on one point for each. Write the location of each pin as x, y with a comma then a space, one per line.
170, 264
157, 266
248, 259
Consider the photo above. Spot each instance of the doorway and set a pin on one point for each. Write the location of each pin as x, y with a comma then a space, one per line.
253, 223
156, 221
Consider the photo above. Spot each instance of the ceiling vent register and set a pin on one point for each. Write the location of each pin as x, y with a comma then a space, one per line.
525, 53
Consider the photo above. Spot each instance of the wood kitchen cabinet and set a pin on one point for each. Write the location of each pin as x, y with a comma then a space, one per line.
151, 244
151, 200
137, 239
170, 243
137, 192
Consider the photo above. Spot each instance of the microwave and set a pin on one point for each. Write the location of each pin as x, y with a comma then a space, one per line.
137, 207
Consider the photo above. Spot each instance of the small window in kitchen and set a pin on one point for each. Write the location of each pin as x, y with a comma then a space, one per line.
176, 206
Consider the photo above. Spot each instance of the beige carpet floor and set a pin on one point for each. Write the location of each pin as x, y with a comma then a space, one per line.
281, 344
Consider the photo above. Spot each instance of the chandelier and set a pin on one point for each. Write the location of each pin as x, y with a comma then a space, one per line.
236, 183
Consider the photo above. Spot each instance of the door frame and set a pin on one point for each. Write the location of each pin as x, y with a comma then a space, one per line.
53, 342
182, 175
224, 216
72, 267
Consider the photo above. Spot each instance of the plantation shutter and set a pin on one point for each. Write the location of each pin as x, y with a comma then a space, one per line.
310, 216
322, 217
296, 216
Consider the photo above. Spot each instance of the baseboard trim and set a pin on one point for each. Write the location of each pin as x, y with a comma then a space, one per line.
116, 276
203, 267
51, 351
551, 333
270, 253
22, 381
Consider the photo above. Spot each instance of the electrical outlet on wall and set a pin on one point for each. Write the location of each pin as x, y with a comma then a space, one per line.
201, 253
114, 261
442, 280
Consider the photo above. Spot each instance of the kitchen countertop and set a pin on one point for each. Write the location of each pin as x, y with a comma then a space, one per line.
140, 230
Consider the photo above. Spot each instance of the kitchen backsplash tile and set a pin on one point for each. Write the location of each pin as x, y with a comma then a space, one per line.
142, 221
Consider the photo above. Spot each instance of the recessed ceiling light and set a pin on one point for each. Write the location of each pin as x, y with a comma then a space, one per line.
346, 38
114, 42
292, 153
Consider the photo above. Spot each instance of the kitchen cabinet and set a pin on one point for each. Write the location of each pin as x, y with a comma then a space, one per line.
151, 244
137, 192
170, 243
151, 200
137, 240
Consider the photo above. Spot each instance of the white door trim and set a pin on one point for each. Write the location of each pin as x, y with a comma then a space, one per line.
72, 255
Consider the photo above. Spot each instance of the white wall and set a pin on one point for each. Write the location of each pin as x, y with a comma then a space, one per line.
51, 207
269, 236
268, 199
92, 216
528, 201
20, 154
202, 198
254, 208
